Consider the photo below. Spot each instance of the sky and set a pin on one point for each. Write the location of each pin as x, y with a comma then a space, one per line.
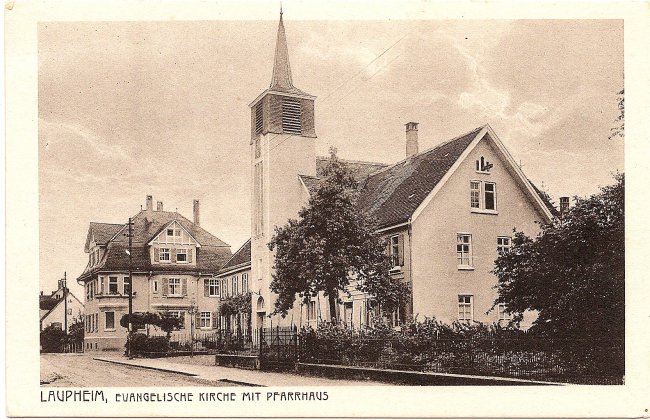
128, 109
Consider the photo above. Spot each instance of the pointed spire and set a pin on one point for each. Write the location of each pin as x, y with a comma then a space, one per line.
281, 70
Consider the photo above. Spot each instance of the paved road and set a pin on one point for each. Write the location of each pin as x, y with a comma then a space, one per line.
80, 370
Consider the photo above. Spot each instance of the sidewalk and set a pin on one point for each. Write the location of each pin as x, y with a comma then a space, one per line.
234, 375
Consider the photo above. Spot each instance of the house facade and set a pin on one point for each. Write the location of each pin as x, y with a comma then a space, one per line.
54, 310
445, 212
235, 280
174, 263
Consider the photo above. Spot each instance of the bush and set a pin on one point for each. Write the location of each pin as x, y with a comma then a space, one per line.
141, 344
52, 339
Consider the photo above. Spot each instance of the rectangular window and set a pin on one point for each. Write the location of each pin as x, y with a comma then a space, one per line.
504, 316
475, 194
244, 283
465, 308
174, 287
102, 286
112, 285
213, 288
483, 195
170, 232
291, 116
204, 320
394, 250
464, 249
503, 244
235, 288
155, 286
181, 255
311, 309
258, 200
224, 288
109, 323
490, 189
165, 255
127, 286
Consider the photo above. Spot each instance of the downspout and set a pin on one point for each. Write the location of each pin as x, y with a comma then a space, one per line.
410, 234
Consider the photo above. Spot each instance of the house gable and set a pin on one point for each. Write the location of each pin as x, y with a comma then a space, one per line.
174, 234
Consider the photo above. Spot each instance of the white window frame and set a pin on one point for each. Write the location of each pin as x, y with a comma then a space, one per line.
167, 252
502, 313
175, 284
179, 252
155, 286
106, 327
110, 283
235, 285
464, 251
244, 282
503, 244
394, 250
126, 280
205, 322
214, 288
477, 189
465, 308
312, 313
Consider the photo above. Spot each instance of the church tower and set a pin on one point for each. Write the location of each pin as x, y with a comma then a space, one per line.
283, 146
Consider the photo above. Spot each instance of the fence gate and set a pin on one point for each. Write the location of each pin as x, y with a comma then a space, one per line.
278, 347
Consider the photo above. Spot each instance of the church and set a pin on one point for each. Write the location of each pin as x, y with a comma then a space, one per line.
446, 212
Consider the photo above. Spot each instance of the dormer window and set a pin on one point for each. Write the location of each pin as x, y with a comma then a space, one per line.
483, 166
181, 255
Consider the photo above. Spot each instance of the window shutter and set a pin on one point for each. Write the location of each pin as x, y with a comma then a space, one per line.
165, 286
189, 255
184, 287
400, 245
215, 319
206, 287
173, 251
197, 319
156, 254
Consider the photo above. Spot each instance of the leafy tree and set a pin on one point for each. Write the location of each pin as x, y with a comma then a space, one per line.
619, 130
140, 320
236, 305
76, 330
573, 272
331, 242
168, 323
52, 339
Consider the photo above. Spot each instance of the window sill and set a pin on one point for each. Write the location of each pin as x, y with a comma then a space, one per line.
175, 296
466, 268
483, 172
395, 269
482, 211
109, 330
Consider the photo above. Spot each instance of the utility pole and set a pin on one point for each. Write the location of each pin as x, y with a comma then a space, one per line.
65, 302
130, 252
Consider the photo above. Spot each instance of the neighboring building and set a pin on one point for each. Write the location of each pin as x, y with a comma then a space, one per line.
55, 311
174, 263
446, 212
234, 279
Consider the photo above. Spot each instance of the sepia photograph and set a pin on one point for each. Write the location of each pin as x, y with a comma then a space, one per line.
301, 203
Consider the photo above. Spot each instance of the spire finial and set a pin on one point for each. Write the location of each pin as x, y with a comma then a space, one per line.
280, 10
281, 69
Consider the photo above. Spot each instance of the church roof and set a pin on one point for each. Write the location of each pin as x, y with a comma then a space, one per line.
281, 80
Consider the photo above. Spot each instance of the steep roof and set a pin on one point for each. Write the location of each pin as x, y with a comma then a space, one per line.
101, 233
146, 225
361, 169
281, 80
394, 193
239, 258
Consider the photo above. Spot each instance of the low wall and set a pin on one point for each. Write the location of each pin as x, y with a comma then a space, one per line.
237, 361
404, 377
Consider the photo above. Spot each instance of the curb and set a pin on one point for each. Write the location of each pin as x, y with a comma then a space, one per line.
118, 362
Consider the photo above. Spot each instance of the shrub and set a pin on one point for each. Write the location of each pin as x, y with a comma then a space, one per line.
141, 344
52, 339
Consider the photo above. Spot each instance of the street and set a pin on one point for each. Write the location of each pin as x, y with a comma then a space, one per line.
80, 370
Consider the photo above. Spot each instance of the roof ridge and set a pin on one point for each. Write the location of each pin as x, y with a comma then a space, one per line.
365, 162
431, 149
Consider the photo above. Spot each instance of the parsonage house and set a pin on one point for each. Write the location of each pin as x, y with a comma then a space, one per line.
174, 267
54, 310
445, 212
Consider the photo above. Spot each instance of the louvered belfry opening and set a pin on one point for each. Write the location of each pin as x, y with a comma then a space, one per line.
291, 116
259, 121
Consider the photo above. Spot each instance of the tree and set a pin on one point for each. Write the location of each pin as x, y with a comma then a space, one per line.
140, 320
331, 242
52, 339
168, 323
619, 130
573, 272
236, 305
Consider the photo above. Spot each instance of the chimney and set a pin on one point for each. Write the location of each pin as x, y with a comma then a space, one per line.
149, 203
159, 206
564, 204
411, 139
196, 213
